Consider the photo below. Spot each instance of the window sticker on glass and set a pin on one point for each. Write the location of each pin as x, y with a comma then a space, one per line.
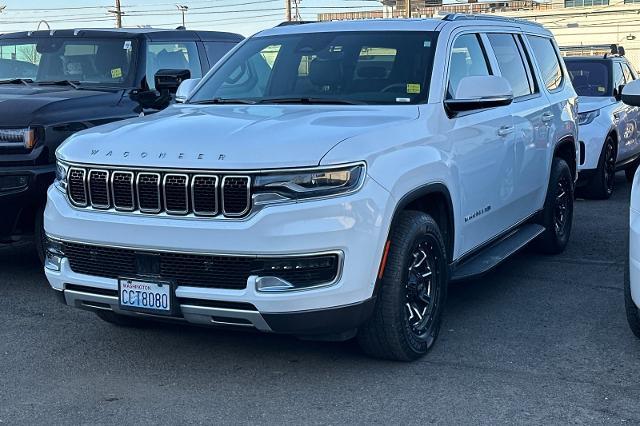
413, 88
116, 73
602, 89
404, 100
127, 45
427, 43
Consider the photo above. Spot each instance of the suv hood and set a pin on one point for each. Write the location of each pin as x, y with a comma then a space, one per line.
592, 103
225, 137
23, 106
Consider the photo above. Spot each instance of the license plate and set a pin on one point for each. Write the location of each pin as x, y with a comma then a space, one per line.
145, 296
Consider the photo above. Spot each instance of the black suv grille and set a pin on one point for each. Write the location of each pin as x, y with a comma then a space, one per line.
197, 270
156, 192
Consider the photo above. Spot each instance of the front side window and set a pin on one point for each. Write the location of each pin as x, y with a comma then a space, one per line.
467, 59
628, 75
618, 76
590, 77
175, 56
336, 67
84, 61
548, 61
511, 63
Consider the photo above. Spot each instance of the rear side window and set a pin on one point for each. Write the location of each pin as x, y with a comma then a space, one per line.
467, 59
548, 61
511, 63
216, 50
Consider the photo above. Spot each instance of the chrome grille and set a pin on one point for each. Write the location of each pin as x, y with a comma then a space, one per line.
122, 190
235, 195
77, 187
154, 192
99, 189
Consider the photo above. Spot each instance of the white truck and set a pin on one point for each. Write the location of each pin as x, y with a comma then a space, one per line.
326, 180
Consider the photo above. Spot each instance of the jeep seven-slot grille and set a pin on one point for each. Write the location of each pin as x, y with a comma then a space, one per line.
197, 270
155, 192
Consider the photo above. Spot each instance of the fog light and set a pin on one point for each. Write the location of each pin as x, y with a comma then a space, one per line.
297, 273
54, 253
13, 183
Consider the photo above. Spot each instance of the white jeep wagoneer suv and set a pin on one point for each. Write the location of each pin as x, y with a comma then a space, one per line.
325, 180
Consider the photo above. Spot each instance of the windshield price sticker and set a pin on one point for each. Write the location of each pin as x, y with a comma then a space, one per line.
127, 45
116, 73
413, 88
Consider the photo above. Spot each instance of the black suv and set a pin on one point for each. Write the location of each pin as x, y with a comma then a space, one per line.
55, 83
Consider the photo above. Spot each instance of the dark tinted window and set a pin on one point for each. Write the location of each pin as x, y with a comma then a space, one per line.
590, 78
545, 54
369, 67
467, 59
216, 50
511, 63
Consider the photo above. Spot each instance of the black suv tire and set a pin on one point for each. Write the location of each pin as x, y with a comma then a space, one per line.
557, 214
412, 293
601, 184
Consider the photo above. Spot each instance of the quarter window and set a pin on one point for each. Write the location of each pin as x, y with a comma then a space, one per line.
547, 58
511, 63
178, 56
467, 59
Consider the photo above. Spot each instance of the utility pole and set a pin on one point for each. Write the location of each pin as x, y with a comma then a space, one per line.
182, 8
287, 10
408, 8
118, 13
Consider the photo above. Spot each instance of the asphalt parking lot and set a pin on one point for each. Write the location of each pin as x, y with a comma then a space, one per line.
539, 340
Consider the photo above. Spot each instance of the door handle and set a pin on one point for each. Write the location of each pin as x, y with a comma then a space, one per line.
505, 130
547, 116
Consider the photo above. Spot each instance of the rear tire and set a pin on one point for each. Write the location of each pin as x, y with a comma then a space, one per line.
410, 302
557, 215
601, 184
121, 320
633, 314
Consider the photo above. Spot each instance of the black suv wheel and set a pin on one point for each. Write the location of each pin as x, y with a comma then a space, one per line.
557, 215
410, 302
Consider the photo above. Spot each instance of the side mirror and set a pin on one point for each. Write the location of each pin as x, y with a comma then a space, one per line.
185, 89
480, 92
631, 93
169, 80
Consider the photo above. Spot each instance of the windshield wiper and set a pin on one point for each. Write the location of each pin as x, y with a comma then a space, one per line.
74, 84
224, 101
25, 81
303, 100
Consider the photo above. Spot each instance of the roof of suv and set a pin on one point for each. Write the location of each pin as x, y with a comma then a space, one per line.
403, 25
150, 33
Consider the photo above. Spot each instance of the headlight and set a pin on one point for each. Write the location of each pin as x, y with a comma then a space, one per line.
18, 137
62, 170
585, 118
323, 182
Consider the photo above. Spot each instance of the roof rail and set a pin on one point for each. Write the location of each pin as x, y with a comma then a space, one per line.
608, 49
487, 17
287, 23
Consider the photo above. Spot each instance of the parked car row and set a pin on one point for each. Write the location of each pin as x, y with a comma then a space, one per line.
326, 180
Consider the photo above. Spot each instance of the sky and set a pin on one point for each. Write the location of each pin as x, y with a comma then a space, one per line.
240, 16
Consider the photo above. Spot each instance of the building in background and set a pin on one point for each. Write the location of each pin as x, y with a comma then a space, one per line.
573, 22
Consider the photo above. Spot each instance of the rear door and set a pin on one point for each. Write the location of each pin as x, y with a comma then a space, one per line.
529, 110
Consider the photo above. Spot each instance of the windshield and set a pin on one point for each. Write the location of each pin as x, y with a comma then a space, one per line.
341, 67
85, 61
590, 78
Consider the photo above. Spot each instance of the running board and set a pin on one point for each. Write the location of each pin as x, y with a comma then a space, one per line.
494, 254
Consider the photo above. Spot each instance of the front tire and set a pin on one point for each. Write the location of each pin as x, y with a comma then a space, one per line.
557, 215
633, 314
601, 185
410, 302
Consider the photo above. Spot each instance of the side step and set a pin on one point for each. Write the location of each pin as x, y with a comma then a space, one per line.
495, 253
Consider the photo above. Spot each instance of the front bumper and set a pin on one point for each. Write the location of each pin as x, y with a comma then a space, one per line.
355, 225
18, 207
